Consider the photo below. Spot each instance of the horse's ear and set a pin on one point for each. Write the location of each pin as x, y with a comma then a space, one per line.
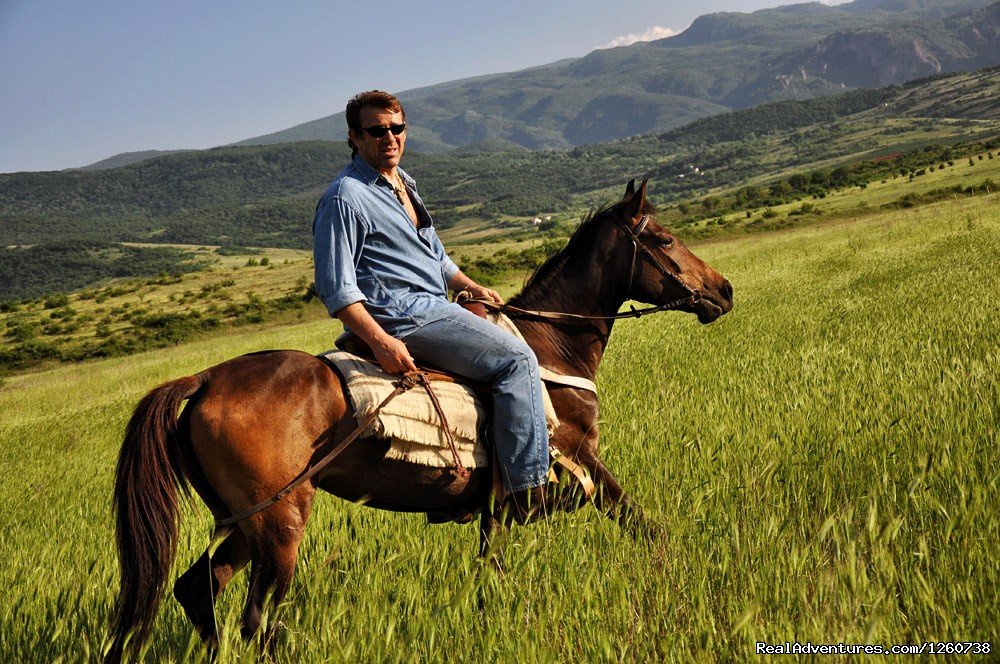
635, 203
629, 190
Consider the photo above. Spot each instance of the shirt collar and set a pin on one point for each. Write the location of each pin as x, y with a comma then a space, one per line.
370, 175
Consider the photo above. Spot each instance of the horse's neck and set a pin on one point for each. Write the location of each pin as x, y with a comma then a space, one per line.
582, 285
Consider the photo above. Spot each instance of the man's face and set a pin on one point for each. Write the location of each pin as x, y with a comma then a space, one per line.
382, 153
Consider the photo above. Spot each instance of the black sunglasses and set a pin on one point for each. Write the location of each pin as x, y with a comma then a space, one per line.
379, 132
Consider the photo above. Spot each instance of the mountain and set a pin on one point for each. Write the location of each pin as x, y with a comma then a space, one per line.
915, 8
265, 195
722, 62
872, 57
126, 158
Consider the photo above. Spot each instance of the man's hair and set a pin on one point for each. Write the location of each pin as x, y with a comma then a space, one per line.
374, 98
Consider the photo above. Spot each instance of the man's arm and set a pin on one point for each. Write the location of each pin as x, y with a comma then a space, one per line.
338, 236
460, 282
457, 280
390, 352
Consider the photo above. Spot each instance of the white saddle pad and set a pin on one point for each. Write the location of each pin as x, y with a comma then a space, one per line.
410, 421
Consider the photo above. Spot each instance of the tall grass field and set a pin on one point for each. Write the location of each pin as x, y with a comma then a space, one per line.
823, 461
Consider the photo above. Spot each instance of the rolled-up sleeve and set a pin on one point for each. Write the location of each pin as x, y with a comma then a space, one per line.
338, 235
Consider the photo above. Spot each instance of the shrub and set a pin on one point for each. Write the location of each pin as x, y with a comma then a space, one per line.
27, 354
23, 330
56, 300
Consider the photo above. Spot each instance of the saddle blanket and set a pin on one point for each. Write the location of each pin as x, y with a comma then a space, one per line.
410, 421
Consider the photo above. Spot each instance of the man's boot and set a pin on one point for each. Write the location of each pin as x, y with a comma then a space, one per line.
530, 505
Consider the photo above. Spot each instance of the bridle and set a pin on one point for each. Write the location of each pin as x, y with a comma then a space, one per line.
693, 295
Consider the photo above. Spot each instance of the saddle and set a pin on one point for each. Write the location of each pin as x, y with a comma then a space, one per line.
416, 431
356, 346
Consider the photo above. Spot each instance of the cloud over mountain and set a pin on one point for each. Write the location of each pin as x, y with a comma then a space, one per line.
654, 33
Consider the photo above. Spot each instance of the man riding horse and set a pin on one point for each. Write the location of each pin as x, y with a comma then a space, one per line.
264, 426
381, 270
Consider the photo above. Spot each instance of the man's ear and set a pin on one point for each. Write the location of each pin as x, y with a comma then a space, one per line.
635, 204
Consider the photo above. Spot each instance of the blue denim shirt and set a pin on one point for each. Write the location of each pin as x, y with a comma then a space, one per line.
366, 249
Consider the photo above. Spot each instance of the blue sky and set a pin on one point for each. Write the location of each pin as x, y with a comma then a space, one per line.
81, 81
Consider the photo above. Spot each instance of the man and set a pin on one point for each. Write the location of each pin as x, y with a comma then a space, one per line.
381, 269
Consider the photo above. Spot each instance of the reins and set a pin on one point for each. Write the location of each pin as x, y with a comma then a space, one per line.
693, 295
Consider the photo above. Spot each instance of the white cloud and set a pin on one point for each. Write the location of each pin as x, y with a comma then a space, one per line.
655, 32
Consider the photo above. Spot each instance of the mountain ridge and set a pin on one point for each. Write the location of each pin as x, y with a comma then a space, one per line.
723, 61
676, 79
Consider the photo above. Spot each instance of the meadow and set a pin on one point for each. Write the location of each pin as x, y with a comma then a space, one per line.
822, 460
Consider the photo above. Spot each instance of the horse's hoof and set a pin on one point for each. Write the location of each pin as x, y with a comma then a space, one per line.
642, 527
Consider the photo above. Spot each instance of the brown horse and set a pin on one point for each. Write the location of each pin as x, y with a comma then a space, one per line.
253, 423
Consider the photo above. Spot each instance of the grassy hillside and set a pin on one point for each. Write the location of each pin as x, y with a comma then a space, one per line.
823, 459
253, 288
68, 266
127, 316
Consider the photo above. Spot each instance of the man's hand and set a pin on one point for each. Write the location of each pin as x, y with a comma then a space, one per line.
393, 355
390, 352
460, 282
483, 293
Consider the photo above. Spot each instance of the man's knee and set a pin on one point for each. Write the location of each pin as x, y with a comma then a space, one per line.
520, 357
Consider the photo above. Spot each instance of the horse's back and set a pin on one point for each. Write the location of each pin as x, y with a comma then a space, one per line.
258, 419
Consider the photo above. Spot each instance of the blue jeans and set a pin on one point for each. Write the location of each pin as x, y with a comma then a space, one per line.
469, 346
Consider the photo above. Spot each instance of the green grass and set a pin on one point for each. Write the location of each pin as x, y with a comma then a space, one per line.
851, 202
823, 459
123, 316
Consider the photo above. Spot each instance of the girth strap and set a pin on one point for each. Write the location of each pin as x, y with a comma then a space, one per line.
550, 376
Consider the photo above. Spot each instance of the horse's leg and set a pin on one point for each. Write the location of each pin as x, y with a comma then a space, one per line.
616, 504
255, 426
491, 532
198, 588
275, 544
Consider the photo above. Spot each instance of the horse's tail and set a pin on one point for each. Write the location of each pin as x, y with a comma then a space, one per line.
147, 480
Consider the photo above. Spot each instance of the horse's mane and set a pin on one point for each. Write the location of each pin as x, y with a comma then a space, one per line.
588, 225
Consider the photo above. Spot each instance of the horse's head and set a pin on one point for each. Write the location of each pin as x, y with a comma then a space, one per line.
660, 269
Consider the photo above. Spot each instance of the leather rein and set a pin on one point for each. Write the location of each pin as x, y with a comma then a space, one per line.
693, 295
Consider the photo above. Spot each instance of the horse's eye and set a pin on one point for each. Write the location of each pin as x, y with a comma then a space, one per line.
669, 242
